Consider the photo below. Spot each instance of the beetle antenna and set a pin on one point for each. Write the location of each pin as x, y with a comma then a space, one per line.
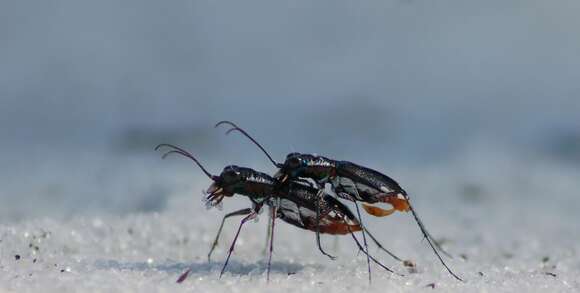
236, 128
430, 241
178, 150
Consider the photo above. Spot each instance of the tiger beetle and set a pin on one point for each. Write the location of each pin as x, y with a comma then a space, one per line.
349, 181
294, 202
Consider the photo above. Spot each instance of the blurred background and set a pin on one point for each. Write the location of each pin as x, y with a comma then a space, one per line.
473, 102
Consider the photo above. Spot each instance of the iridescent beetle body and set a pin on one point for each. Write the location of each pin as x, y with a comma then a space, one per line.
349, 181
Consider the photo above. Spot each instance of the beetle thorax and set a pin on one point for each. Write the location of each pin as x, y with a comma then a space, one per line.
319, 168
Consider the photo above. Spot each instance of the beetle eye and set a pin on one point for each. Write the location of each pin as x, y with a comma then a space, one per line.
292, 155
230, 176
294, 163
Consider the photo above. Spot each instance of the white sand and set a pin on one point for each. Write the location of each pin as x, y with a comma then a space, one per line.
514, 223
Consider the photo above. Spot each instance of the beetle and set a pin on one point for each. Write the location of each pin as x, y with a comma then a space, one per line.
293, 202
349, 181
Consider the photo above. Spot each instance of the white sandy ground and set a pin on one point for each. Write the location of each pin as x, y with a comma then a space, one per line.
516, 230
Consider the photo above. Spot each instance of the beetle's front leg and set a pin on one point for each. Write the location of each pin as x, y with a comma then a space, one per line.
241, 212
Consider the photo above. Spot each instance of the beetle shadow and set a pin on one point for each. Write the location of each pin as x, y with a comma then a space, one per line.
234, 267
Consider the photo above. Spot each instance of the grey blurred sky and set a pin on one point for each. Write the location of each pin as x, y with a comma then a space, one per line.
410, 72
87, 88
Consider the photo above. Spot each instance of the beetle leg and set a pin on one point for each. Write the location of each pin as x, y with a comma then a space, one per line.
430, 241
252, 215
381, 246
318, 197
363, 230
371, 258
241, 212
364, 240
274, 211
268, 233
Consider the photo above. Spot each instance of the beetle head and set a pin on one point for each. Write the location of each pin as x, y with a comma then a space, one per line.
234, 179
305, 165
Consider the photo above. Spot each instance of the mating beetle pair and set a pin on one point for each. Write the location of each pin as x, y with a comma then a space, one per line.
288, 194
293, 202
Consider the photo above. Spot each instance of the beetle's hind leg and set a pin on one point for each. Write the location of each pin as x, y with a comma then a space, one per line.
370, 257
432, 242
381, 246
366, 247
